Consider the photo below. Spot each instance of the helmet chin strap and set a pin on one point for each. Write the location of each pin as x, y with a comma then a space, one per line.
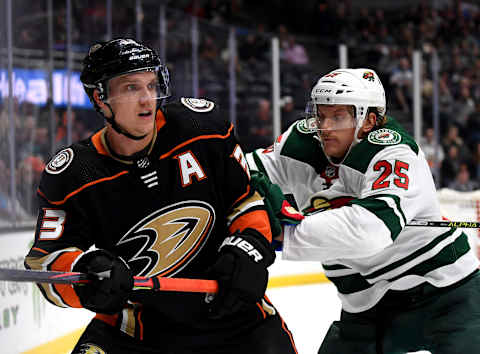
118, 128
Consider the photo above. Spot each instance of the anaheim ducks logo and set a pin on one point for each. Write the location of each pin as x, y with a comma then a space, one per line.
318, 204
197, 104
167, 240
89, 348
60, 162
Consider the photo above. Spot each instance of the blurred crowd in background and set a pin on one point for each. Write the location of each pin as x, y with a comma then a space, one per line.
379, 37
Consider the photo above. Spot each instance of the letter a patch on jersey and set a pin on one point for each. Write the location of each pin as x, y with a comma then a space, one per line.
189, 166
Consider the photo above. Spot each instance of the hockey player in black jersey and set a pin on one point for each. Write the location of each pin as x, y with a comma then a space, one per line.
162, 190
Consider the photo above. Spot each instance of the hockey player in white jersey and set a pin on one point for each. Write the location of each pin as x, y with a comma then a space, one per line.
359, 178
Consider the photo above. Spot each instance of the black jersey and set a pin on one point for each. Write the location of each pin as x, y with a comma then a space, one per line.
165, 212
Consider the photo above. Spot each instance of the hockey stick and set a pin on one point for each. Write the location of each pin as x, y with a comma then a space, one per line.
446, 223
139, 283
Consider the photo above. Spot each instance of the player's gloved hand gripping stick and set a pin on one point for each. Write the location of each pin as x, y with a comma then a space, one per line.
241, 270
103, 281
139, 283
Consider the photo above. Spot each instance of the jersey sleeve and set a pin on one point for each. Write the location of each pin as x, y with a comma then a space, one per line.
245, 205
272, 163
395, 187
63, 232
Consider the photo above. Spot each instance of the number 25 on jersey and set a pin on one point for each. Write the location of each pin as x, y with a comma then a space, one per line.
391, 173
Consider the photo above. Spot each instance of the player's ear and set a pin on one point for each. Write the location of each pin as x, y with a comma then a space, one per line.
105, 109
369, 122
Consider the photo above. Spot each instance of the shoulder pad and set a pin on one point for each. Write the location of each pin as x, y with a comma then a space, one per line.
377, 140
68, 170
304, 126
195, 117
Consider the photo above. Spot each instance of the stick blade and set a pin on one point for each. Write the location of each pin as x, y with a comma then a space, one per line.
21, 275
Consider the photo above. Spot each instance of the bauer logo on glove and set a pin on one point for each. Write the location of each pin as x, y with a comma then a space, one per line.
245, 246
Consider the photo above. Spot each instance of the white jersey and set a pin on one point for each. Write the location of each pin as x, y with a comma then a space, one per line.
356, 214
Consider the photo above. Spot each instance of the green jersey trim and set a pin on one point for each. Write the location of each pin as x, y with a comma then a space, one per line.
349, 284
259, 163
449, 254
390, 213
361, 154
303, 147
412, 256
334, 267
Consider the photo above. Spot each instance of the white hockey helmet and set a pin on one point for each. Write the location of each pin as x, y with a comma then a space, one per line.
360, 88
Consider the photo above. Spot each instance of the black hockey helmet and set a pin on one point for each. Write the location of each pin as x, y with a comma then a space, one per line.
106, 60
116, 57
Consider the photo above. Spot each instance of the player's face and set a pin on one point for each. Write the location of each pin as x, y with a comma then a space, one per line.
133, 98
336, 126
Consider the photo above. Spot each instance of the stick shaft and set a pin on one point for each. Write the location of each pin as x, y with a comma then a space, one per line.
446, 223
139, 283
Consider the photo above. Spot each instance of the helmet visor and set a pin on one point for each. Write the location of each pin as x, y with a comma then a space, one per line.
137, 86
330, 117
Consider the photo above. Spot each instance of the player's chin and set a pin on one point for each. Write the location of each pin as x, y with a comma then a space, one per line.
143, 129
332, 150
330, 146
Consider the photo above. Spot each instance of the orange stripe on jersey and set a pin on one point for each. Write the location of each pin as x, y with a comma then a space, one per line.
140, 325
97, 142
108, 319
39, 250
257, 219
160, 120
261, 310
284, 326
243, 195
64, 264
105, 179
68, 295
202, 137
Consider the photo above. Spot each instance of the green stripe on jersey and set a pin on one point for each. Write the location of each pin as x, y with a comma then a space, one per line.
412, 256
334, 267
448, 255
361, 154
391, 215
348, 284
259, 163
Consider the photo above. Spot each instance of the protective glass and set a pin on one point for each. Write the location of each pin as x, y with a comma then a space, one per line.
340, 119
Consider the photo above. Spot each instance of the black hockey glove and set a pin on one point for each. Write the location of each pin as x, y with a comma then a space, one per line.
107, 294
241, 271
280, 212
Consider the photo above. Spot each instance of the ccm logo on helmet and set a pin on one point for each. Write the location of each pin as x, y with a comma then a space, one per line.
247, 247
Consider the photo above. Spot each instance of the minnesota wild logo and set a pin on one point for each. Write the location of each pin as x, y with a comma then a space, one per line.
384, 136
368, 75
307, 126
319, 203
